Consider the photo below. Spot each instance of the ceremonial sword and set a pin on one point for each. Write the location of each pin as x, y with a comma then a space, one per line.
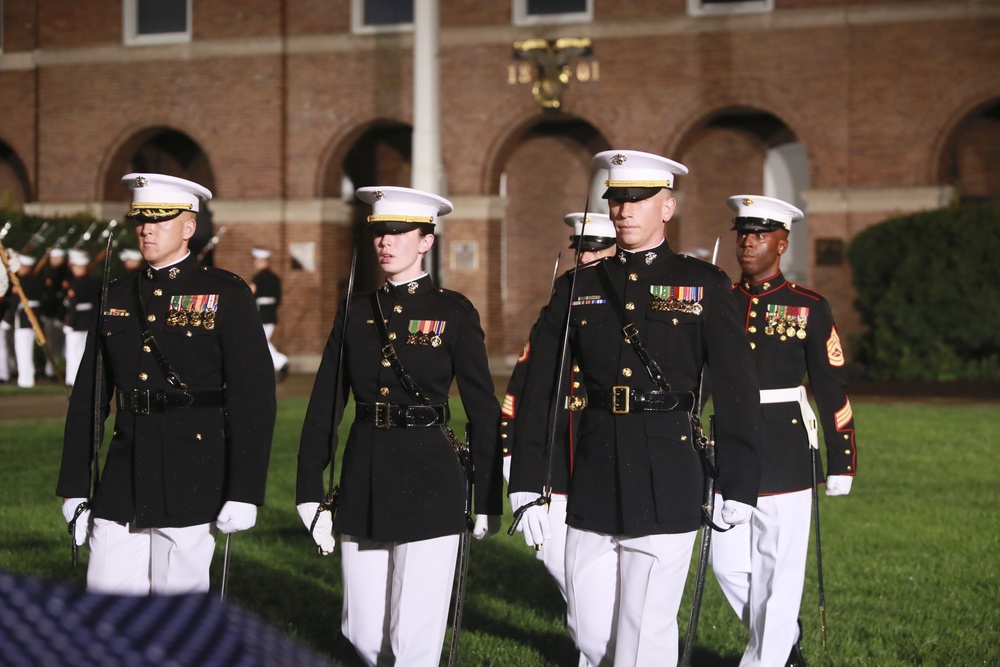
708, 508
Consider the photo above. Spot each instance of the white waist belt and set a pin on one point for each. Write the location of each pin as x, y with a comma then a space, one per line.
84, 306
795, 395
266, 301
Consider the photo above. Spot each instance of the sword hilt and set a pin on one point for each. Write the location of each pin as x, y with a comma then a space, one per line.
71, 527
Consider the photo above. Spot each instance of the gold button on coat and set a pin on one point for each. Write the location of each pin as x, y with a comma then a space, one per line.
143, 377
384, 391
627, 372
151, 318
157, 292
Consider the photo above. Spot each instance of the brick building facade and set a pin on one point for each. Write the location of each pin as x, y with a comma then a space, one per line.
855, 109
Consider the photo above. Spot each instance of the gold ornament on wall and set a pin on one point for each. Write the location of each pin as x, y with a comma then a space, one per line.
551, 58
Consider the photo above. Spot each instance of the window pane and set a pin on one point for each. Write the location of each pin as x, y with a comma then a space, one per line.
388, 12
539, 7
161, 16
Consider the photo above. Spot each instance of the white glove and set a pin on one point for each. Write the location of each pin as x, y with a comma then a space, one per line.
734, 512
67, 329
82, 522
4, 325
534, 522
838, 485
487, 525
506, 468
323, 534
236, 516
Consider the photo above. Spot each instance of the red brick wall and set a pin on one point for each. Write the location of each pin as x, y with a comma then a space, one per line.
272, 126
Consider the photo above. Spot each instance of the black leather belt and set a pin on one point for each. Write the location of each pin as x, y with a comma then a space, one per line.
623, 400
144, 401
386, 415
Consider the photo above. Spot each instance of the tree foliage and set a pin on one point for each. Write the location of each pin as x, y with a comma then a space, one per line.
928, 289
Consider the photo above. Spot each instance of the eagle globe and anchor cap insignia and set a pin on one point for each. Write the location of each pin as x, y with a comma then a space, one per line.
619, 159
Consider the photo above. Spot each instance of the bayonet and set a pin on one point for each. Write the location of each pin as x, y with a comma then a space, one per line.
214, 241
85, 237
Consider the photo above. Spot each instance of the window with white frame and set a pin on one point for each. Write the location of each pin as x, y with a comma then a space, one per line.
534, 12
715, 7
375, 16
156, 21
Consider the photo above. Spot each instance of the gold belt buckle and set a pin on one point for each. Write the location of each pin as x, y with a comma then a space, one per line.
620, 400
382, 415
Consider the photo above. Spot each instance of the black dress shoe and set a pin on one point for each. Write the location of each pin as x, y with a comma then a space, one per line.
795, 658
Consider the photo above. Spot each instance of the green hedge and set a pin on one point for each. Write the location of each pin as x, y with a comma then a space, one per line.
929, 295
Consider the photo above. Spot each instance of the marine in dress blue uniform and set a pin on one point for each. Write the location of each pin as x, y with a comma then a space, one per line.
761, 564
266, 286
402, 489
82, 294
594, 236
189, 454
635, 491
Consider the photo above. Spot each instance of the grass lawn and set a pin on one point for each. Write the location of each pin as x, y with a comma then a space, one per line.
910, 557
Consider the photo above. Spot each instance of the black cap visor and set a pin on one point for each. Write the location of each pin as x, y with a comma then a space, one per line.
591, 243
630, 194
744, 224
387, 227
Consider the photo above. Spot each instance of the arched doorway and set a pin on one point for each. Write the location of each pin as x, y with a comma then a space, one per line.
738, 151
971, 162
545, 172
15, 187
168, 151
379, 154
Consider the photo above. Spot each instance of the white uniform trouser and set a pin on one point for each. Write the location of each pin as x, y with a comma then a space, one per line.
761, 567
553, 552
553, 555
648, 584
5, 346
24, 350
144, 561
277, 358
76, 342
396, 598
